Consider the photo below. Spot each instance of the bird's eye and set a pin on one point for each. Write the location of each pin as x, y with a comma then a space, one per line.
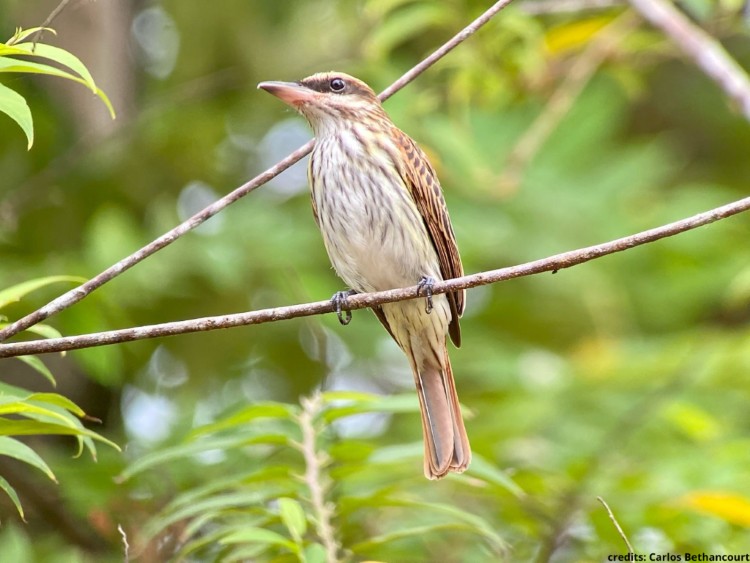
337, 85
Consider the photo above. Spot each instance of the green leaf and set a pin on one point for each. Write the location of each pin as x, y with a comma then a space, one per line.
249, 414
60, 56
39, 366
11, 492
17, 292
416, 531
293, 517
193, 448
265, 475
315, 553
403, 403
30, 67
476, 524
14, 106
259, 535
397, 453
18, 406
57, 400
483, 469
46, 331
10, 427
213, 505
13, 448
22, 34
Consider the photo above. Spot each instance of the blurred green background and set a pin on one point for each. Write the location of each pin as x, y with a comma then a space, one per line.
625, 378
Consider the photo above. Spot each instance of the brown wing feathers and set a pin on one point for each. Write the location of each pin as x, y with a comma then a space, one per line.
422, 181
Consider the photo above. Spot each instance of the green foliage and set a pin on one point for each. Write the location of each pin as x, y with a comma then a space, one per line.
624, 378
306, 488
23, 413
13, 104
34, 414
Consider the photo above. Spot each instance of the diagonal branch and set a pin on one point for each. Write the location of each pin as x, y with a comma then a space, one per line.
77, 294
363, 300
706, 52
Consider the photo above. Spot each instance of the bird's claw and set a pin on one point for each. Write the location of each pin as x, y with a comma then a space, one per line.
339, 300
425, 285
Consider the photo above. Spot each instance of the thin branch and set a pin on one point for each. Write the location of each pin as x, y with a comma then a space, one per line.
125, 544
363, 300
49, 19
77, 294
316, 480
705, 51
616, 524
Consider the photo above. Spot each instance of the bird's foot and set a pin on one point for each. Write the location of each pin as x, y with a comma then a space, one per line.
339, 301
425, 286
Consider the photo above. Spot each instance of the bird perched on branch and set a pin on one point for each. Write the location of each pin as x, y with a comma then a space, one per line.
380, 208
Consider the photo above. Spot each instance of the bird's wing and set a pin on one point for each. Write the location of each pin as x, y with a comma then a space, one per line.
310, 164
422, 182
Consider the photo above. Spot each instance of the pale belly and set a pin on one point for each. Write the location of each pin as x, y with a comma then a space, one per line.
376, 240
374, 246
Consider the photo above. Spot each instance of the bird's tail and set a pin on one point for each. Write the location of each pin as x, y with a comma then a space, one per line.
446, 443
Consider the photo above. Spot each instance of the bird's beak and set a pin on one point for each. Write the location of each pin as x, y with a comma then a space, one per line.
290, 93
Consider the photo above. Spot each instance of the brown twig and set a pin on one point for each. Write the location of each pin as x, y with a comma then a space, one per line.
616, 524
363, 300
46, 23
705, 51
77, 294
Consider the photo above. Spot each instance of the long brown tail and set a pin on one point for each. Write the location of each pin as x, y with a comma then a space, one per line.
445, 440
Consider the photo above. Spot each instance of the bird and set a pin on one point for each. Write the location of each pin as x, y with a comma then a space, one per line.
380, 208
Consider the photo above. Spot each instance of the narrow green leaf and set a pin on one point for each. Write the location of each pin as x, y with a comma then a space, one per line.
10, 427
397, 453
199, 446
246, 552
22, 34
14, 105
293, 517
265, 474
249, 414
57, 400
315, 553
405, 402
60, 56
11, 492
215, 504
259, 535
416, 531
483, 469
44, 330
13, 448
10, 405
17, 292
30, 67
477, 524
6, 50
39, 366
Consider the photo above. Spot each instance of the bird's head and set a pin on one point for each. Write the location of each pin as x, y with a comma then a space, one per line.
327, 99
